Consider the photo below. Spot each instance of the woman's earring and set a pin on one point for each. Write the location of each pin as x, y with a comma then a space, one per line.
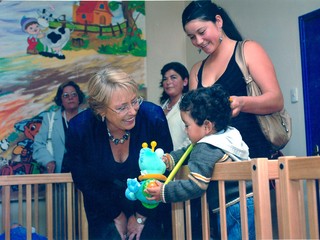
220, 39
199, 50
102, 118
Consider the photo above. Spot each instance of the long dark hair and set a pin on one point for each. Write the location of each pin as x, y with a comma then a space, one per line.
178, 68
207, 11
57, 98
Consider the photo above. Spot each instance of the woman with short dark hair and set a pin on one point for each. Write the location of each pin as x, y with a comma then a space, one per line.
68, 98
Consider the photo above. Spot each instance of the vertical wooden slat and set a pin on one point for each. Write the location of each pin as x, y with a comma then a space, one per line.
6, 209
302, 209
36, 205
205, 217
262, 206
243, 209
178, 219
187, 208
64, 199
312, 209
69, 210
55, 210
75, 212
178, 212
20, 205
222, 206
279, 210
29, 210
49, 209
290, 204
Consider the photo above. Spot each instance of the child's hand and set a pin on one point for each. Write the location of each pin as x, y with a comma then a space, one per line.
167, 159
155, 191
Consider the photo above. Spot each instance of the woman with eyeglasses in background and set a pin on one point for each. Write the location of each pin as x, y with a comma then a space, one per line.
69, 97
103, 146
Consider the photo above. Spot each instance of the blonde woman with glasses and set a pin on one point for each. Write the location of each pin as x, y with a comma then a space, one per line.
103, 146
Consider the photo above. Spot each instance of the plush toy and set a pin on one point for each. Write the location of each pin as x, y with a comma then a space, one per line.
152, 169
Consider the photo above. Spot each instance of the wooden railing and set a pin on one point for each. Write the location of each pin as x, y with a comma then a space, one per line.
43, 199
51, 200
287, 174
299, 178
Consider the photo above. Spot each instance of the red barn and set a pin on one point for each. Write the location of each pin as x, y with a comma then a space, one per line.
92, 12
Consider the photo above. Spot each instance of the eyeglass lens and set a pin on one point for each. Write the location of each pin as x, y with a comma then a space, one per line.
67, 95
134, 104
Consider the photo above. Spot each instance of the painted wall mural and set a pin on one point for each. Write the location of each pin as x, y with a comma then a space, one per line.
46, 43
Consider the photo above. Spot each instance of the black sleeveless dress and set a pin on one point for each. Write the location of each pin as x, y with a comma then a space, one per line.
247, 124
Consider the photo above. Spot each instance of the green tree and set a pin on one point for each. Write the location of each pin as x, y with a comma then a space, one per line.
132, 42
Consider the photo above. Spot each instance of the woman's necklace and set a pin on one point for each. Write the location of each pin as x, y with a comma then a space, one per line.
166, 106
121, 140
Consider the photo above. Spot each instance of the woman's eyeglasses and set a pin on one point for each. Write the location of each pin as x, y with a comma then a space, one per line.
124, 109
68, 95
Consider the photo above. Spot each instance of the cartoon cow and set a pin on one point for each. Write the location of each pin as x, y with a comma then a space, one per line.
53, 40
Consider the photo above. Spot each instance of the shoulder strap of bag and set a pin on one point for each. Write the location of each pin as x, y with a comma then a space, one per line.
51, 120
240, 60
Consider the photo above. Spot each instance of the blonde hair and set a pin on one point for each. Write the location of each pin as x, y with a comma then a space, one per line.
104, 84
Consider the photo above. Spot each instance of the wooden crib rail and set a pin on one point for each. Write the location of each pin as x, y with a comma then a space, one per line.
297, 196
298, 174
259, 171
34, 188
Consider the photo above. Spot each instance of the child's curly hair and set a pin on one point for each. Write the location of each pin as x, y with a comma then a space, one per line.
211, 103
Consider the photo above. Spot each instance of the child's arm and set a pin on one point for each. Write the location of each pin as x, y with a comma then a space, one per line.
170, 161
201, 164
157, 192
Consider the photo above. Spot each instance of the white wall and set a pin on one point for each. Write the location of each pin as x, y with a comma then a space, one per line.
273, 23
166, 41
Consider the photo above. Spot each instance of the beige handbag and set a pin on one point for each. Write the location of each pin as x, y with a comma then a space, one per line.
276, 127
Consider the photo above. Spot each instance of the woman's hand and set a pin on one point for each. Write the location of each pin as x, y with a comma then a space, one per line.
155, 191
134, 229
121, 224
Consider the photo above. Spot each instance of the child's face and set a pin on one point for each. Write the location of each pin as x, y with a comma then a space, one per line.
33, 29
194, 131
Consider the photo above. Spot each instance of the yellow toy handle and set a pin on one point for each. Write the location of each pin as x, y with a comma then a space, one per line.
178, 165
